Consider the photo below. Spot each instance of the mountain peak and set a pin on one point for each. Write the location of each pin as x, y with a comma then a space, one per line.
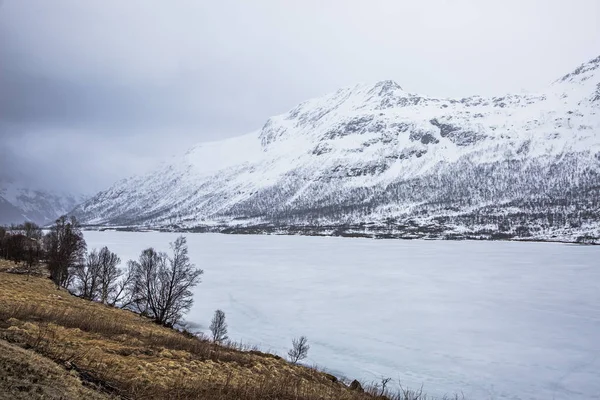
386, 87
583, 72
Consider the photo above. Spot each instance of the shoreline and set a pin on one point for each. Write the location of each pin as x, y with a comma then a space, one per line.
340, 232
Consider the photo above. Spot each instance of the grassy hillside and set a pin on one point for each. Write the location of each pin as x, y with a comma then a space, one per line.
78, 345
25, 375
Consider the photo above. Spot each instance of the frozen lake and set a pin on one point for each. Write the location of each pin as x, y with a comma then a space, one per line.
495, 320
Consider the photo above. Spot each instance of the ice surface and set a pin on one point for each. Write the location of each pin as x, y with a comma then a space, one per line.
495, 320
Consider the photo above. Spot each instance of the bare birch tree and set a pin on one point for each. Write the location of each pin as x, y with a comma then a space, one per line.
87, 276
299, 349
162, 285
109, 274
218, 327
65, 250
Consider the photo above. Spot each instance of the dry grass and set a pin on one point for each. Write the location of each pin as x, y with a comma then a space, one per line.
139, 359
25, 375
36, 270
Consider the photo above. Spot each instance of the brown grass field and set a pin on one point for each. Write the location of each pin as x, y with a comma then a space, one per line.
57, 346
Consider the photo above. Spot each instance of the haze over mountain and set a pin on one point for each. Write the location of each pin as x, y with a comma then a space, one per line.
19, 204
375, 159
95, 91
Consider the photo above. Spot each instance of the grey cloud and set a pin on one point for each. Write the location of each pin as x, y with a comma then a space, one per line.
93, 91
194, 101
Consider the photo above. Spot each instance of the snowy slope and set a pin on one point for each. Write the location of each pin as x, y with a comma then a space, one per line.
377, 159
19, 204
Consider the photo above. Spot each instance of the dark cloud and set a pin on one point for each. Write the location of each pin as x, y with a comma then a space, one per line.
92, 91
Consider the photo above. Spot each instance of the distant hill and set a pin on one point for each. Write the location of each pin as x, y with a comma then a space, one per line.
19, 204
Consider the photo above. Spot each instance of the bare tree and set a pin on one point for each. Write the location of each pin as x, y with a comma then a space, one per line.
3, 238
100, 279
32, 245
162, 285
145, 281
65, 249
108, 274
218, 327
31, 230
87, 276
122, 294
384, 383
299, 349
15, 246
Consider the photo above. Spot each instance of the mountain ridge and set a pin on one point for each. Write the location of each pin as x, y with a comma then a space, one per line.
19, 204
377, 160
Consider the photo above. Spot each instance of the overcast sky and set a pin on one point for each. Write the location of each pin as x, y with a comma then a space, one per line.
93, 91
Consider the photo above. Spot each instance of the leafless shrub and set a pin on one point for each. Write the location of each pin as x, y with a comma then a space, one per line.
299, 349
408, 394
42, 340
218, 327
384, 382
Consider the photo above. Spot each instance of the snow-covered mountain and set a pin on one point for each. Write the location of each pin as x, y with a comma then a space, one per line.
19, 204
377, 160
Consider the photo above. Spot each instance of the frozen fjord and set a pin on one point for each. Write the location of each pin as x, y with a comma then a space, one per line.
495, 320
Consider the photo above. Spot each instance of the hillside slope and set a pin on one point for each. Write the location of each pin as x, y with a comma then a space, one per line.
375, 159
25, 375
121, 355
